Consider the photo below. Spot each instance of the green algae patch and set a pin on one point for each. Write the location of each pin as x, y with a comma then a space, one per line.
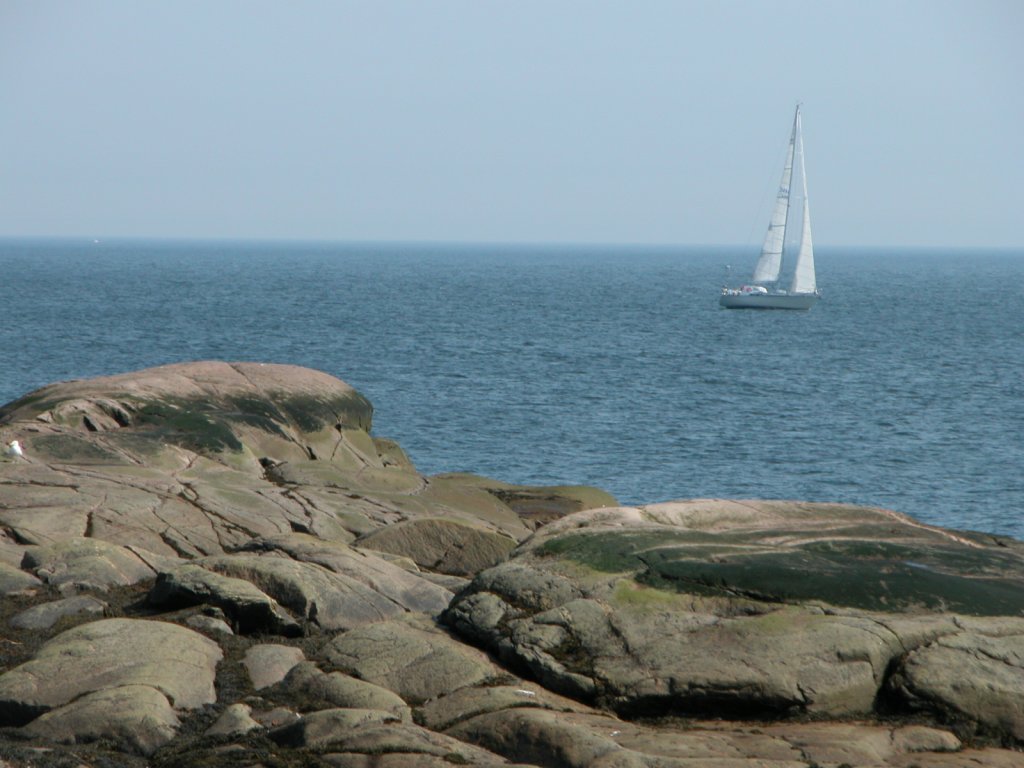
870, 574
618, 552
311, 414
70, 447
641, 597
196, 430
872, 584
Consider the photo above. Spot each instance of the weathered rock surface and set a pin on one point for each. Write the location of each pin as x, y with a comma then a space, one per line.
253, 498
972, 676
45, 615
312, 689
118, 679
268, 664
411, 657
754, 608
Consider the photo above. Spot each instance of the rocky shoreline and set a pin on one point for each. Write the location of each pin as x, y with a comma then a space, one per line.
218, 564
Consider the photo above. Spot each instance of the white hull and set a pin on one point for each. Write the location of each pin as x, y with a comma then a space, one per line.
768, 300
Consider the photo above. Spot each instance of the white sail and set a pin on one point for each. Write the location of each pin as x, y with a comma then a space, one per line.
768, 266
803, 275
792, 199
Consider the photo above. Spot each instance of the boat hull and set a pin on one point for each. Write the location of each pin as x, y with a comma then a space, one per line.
767, 300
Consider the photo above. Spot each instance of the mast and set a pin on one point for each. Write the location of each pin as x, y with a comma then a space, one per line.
768, 266
803, 275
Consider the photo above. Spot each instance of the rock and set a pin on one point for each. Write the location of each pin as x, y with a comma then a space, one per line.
537, 506
234, 721
46, 615
14, 581
138, 718
268, 664
208, 407
313, 689
447, 546
540, 737
970, 676
275, 717
393, 745
409, 590
319, 730
465, 703
81, 563
211, 625
920, 738
734, 609
108, 654
409, 656
787, 634
327, 600
245, 604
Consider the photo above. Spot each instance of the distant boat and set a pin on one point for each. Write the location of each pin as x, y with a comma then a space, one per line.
763, 292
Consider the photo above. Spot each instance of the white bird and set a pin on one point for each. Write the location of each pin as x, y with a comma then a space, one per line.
14, 449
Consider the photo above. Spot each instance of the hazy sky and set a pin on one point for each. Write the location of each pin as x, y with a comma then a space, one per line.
644, 122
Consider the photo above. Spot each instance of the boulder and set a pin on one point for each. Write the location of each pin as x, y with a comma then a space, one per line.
15, 581
234, 721
45, 615
102, 655
321, 729
137, 718
268, 664
409, 656
320, 597
251, 609
394, 745
969, 676
311, 689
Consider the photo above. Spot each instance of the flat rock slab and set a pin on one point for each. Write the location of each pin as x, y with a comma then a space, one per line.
443, 545
409, 656
325, 599
178, 663
86, 563
377, 571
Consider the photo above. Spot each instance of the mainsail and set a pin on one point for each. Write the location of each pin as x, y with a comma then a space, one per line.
768, 266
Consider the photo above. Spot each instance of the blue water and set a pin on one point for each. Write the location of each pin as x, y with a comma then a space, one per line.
610, 366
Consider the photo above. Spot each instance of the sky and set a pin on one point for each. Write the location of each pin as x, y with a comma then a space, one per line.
526, 121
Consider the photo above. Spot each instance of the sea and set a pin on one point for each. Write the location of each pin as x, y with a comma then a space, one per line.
603, 365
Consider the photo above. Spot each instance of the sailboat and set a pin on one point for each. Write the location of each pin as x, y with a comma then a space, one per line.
763, 292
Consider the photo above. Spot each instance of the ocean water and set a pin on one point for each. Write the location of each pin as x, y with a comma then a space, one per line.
609, 366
